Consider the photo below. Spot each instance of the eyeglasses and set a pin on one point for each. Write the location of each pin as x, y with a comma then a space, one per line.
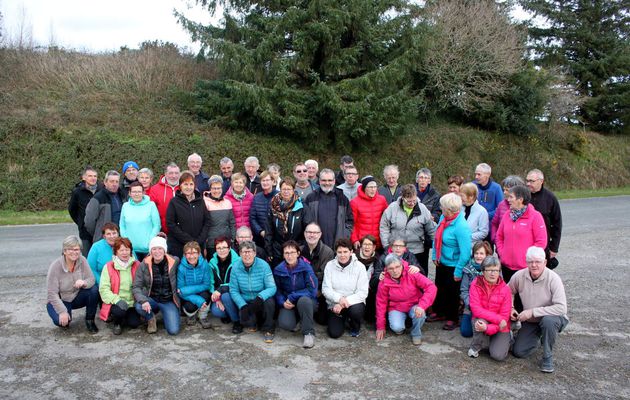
288, 253
351, 173
301, 171
531, 180
492, 271
247, 251
191, 252
77, 250
398, 246
393, 268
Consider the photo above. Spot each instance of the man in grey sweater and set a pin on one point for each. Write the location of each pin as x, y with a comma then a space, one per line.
544, 312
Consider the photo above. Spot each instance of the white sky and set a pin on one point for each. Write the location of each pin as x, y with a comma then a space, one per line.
99, 25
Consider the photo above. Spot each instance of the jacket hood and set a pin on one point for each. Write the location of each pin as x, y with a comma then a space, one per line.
362, 195
162, 182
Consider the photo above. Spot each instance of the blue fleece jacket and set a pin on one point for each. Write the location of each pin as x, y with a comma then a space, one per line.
489, 196
456, 245
248, 283
294, 283
140, 222
100, 254
192, 280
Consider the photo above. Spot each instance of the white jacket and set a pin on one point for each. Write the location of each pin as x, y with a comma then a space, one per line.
351, 282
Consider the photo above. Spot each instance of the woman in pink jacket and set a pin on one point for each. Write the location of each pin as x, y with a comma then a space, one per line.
491, 304
521, 227
241, 199
402, 294
508, 183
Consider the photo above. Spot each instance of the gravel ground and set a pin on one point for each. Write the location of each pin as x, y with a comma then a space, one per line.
42, 361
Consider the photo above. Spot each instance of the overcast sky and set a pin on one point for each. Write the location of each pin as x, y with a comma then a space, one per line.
99, 25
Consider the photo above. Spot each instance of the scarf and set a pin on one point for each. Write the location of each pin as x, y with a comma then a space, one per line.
516, 214
439, 233
91, 188
280, 209
366, 261
239, 197
121, 265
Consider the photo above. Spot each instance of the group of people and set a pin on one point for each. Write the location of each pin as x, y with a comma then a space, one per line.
320, 246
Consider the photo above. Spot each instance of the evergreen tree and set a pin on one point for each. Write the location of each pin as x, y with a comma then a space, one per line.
589, 39
321, 71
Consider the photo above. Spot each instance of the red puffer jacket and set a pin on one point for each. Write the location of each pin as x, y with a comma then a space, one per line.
367, 212
161, 194
492, 303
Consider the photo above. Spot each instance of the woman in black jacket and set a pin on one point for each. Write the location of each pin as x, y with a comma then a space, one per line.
187, 218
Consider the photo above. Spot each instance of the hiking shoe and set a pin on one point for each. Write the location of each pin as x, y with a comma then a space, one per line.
91, 326
547, 365
237, 328
449, 325
473, 353
205, 323
226, 320
252, 329
117, 329
433, 317
191, 320
309, 341
152, 325
354, 333
416, 340
268, 337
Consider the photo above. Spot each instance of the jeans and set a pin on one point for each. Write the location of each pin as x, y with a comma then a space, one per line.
87, 298
466, 327
337, 322
304, 310
230, 308
545, 332
170, 313
397, 322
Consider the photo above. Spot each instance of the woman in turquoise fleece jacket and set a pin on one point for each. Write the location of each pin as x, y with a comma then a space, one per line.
194, 284
139, 219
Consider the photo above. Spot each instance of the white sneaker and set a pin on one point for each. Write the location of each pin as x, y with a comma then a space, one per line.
309, 341
473, 353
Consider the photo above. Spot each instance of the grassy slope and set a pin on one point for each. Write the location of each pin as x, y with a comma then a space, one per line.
50, 129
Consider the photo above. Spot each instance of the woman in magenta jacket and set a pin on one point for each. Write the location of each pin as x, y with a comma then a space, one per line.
491, 304
241, 199
521, 227
401, 295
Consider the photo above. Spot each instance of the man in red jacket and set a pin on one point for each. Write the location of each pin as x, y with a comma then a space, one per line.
162, 192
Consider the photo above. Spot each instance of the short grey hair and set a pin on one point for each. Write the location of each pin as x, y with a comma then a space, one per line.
522, 192
242, 229
252, 160
313, 163
194, 156
512, 180
397, 237
215, 179
484, 167
111, 173
392, 258
247, 244
326, 171
490, 261
451, 203
538, 173
70, 242
170, 165
535, 253
146, 170
425, 171
391, 168
225, 161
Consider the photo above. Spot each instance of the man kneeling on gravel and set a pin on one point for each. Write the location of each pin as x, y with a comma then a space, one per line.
544, 312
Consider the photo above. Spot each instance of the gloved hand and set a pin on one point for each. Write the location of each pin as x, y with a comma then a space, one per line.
256, 306
122, 304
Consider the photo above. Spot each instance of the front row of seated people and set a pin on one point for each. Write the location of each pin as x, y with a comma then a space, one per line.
243, 289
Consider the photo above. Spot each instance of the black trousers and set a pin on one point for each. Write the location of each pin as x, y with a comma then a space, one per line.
507, 275
192, 307
263, 318
447, 299
128, 317
337, 322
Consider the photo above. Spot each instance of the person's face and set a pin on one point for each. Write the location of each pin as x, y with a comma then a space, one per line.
238, 186
312, 235
274, 174
453, 188
145, 179
72, 254
351, 176
124, 253
479, 255
248, 255
136, 193
491, 274
242, 237
157, 253
423, 181
187, 187
367, 248
194, 165
222, 250
286, 192
216, 189
371, 189
534, 183
327, 182
399, 248
172, 175
410, 201
301, 173
467, 200
266, 183
226, 169
394, 270
112, 183
392, 179
251, 169
536, 267
131, 174
506, 192
343, 254
345, 166
312, 171
192, 256
110, 236
290, 255
514, 202
482, 177
90, 178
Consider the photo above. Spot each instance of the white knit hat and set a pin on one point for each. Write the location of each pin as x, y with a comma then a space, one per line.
158, 241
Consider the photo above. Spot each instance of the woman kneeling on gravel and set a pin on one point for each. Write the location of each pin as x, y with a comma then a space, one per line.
194, 281
401, 295
155, 287
115, 288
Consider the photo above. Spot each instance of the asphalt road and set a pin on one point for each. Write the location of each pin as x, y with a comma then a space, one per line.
41, 361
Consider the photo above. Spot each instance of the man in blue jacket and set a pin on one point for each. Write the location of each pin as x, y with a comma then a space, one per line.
490, 193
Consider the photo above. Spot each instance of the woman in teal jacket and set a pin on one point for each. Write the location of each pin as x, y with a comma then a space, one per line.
451, 253
139, 220
194, 283
221, 268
